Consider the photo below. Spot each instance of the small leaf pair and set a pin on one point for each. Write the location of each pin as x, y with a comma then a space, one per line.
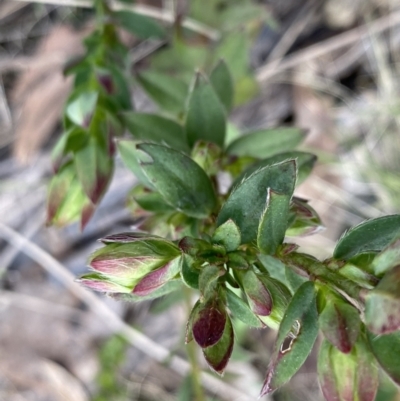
259, 205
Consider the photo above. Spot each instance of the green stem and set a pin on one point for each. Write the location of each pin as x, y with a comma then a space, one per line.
192, 355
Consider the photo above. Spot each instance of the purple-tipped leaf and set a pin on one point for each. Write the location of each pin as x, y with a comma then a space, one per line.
158, 278
258, 296
98, 283
218, 355
340, 323
130, 262
208, 323
347, 377
382, 304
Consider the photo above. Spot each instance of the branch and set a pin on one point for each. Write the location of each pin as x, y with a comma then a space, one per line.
348, 38
153, 12
223, 390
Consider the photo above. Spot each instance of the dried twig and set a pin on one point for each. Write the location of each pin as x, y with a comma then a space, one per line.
156, 13
137, 339
327, 46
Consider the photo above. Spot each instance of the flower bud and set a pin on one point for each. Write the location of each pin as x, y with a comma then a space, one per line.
127, 263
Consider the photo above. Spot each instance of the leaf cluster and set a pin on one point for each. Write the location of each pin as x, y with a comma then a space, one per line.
217, 209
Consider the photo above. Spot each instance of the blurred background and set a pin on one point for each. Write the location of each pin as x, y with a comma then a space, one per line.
331, 67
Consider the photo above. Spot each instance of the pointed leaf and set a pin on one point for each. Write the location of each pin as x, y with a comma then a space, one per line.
179, 180
347, 377
386, 349
246, 202
141, 26
66, 201
273, 222
305, 220
124, 238
222, 83
267, 142
370, 236
157, 278
81, 107
129, 154
257, 294
382, 304
153, 127
388, 258
228, 235
241, 310
208, 280
189, 274
94, 167
280, 300
297, 334
340, 323
208, 323
168, 92
147, 200
166, 289
218, 355
304, 162
97, 282
205, 119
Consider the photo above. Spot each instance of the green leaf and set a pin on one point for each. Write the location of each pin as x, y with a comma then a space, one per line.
129, 154
340, 323
152, 281
267, 142
168, 92
246, 202
153, 127
297, 334
280, 300
205, 119
80, 108
274, 267
222, 83
179, 180
228, 235
149, 200
139, 25
304, 219
370, 236
386, 349
218, 355
304, 162
94, 162
382, 304
66, 201
347, 377
388, 258
240, 310
189, 274
208, 280
273, 222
